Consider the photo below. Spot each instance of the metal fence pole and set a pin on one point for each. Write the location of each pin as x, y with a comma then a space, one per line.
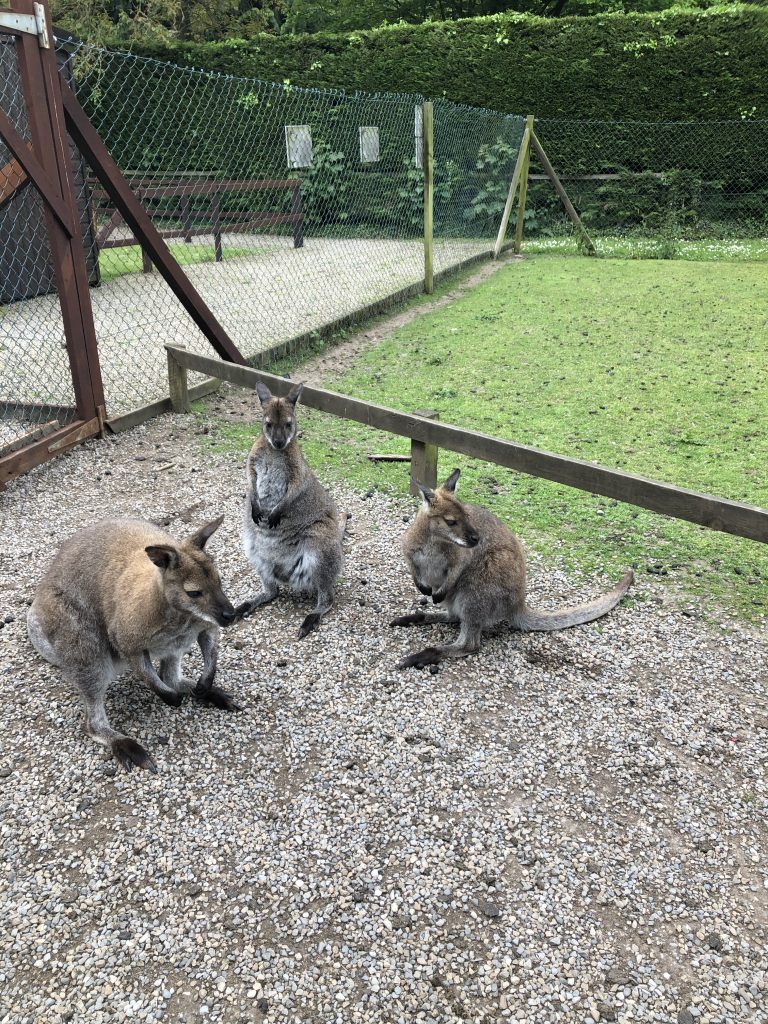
428, 129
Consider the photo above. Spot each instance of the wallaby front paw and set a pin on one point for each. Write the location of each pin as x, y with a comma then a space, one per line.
129, 753
273, 519
217, 698
423, 589
421, 659
256, 514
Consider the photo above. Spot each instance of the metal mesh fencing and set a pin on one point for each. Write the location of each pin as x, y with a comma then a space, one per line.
294, 209
657, 189
36, 391
290, 209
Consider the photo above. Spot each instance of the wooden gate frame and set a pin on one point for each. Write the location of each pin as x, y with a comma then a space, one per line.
53, 111
45, 160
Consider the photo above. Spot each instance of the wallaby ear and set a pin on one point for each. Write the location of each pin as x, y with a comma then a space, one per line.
163, 555
295, 394
450, 483
201, 537
426, 492
265, 395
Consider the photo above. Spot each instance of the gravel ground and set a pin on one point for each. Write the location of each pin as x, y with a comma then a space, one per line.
566, 828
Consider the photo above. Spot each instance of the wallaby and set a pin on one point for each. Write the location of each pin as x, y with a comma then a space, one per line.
119, 594
292, 531
466, 559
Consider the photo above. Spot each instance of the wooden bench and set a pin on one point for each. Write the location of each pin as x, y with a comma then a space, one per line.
218, 219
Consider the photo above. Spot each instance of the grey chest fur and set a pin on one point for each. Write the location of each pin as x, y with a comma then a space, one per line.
270, 481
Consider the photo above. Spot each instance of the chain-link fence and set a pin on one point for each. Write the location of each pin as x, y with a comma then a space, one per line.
293, 210
290, 209
657, 189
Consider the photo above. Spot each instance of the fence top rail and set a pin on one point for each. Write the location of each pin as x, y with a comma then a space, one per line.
159, 189
702, 509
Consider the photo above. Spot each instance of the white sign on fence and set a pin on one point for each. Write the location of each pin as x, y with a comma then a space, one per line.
369, 145
298, 145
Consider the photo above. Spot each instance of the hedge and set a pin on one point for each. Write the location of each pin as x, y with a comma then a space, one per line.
671, 65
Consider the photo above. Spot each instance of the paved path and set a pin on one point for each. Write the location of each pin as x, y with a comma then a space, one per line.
268, 296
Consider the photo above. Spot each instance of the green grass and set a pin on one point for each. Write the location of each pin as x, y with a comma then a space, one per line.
127, 259
655, 367
640, 248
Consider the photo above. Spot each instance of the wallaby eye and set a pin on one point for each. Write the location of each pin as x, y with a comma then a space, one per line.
194, 593
451, 522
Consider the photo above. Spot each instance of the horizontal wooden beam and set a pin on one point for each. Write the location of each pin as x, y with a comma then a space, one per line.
702, 509
157, 189
41, 450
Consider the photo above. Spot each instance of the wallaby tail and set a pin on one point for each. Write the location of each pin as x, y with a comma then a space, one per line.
543, 622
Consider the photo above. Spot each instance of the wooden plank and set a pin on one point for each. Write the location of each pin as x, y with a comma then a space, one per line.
423, 458
569, 207
31, 435
106, 230
428, 165
129, 420
31, 166
520, 219
42, 97
522, 154
594, 177
138, 220
703, 509
35, 454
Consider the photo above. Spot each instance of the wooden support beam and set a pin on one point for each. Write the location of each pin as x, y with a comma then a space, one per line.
119, 191
423, 458
522, 155
520, 219
428, 165
702, 509
569, 207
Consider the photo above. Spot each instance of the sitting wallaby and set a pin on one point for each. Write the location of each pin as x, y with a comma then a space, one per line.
118, 594
466, 559
292, 531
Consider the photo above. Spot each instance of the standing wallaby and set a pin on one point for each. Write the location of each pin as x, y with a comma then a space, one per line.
466, 559
119, 594
292, 531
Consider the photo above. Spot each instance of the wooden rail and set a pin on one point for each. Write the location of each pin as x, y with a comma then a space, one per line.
702, 509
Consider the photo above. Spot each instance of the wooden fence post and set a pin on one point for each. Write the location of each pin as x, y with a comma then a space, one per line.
516, 174
519, 222
423, 457
177, 385
428, 162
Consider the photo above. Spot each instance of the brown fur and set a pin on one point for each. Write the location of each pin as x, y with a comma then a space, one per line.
473, 565
118, 594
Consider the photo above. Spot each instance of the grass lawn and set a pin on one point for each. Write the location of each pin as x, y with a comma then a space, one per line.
653, 366
127, 260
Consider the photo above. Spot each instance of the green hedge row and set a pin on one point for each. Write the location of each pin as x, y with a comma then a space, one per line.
671, 65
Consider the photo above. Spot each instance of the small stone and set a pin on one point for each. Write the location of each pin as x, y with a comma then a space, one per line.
606, 1011
714, 941
488, 909
434, 669
162, 741
5, 771
262, 1005
685, 1017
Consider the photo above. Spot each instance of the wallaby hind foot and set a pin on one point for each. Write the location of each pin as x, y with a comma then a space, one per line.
216, 697
131, 754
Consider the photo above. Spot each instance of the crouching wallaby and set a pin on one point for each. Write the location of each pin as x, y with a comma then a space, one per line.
119, 594
292, 531
468, 561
